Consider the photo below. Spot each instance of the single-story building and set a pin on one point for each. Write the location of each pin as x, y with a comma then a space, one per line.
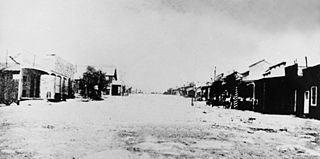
310, 107
279, 95
52, 80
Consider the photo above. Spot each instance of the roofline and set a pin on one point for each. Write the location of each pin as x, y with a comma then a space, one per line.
259, 62
278, 64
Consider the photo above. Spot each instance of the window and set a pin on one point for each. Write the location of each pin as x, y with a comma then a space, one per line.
24, 78
24, 93
314, 94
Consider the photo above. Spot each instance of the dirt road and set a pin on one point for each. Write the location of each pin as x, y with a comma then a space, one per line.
151, 126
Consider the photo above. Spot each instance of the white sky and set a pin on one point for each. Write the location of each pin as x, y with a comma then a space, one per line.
159, 44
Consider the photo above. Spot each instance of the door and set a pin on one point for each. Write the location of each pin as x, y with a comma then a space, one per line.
32, 86
295, 101
306, 102
115, 90
37, 87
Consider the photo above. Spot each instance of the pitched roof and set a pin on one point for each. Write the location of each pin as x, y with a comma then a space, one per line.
259, 62
268, 71
9, 67
277, 65
245, 74
110, 71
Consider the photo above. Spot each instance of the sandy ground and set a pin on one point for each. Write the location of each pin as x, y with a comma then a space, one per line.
151, 126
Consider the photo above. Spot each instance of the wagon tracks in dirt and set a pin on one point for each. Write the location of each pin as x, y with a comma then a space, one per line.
7, 152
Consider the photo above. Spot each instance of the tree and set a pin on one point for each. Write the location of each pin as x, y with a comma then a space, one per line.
93, 83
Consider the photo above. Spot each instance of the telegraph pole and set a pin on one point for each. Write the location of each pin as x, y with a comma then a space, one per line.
306, 59
7, 58
34, 60
215, 73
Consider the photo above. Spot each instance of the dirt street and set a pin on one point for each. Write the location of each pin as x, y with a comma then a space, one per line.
151, 126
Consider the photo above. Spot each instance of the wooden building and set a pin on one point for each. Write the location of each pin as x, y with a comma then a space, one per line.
276, 93
310, 107
216, 94
115, 85
202, 93
280, 95
224, 90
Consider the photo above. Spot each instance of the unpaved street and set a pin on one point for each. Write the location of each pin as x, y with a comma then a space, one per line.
151, 126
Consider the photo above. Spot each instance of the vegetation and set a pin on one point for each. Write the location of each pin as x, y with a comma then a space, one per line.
93, 83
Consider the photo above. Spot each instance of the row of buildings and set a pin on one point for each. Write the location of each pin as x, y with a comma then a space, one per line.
265, 88
48, 77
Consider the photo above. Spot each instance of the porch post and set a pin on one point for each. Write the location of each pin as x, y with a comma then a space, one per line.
20, 85
121, 90
208, 95
110, 92
253, 93
60, 91
54, 85
254, 90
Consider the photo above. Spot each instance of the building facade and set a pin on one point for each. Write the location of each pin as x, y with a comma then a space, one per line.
58, 84
51, 80
311, 104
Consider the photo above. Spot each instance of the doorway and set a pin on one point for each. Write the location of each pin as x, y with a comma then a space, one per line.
306, 102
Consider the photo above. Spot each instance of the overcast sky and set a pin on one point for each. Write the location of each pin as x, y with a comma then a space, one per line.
159, 44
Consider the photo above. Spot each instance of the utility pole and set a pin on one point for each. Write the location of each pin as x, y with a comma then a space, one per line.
34, 60
193, 96
306, 58
7, 58
214, 73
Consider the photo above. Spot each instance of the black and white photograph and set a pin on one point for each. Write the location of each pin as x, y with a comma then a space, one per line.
159, 79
